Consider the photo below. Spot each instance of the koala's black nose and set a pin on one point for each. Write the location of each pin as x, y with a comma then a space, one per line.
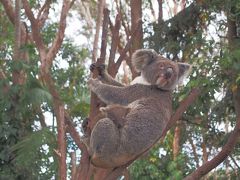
168, 73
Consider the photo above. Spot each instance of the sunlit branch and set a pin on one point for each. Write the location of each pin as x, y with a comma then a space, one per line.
60, 34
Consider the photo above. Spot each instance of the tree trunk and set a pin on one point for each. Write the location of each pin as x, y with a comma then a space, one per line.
101, 4
160, 12
136, 16
20, 40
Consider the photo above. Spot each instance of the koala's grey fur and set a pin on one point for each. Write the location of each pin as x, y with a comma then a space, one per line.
148, 109
116, 113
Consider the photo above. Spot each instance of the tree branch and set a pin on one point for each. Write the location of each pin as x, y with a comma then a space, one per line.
194, 151
17, 40
104, 36
83, 170
62, 145
73, 163
73, 132
234, 161
115, 41
136, 16
160, 11
43, 13
60, 34
227, 148
184, 104
123, 18
95, 103
11, 15
101, 5
84, 167
58, 107
127, 47
35, 30
9, 10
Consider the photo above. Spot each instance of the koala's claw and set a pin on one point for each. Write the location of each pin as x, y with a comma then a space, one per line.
92, 67
99, 67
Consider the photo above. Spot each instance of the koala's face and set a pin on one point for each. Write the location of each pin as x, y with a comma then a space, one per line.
161, 72
157, 70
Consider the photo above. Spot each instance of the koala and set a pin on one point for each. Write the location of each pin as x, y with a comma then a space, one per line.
116, 113
145, 107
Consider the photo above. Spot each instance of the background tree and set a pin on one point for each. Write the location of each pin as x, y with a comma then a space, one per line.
44, 98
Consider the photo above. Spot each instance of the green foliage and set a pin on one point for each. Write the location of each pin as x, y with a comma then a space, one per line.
157, 164
26, 152
49, 32
72, 79
38, 147
17, 121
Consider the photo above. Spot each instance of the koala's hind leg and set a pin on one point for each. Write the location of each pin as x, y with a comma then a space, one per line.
86, 128
104, 143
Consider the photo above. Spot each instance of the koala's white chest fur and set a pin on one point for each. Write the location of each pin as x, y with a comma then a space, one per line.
140, 80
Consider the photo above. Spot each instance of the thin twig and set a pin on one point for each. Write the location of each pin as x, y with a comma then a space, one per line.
234, 161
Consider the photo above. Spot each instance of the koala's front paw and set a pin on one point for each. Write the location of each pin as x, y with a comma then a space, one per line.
100, 68
93, 83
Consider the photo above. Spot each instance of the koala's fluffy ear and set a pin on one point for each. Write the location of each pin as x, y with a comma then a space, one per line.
143, 57
184, 70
